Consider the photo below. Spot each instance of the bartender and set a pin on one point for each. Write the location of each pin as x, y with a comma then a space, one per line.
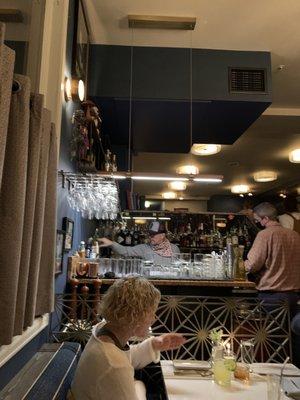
159, 250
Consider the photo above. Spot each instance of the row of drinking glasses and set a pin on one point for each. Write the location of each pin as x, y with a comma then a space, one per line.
94, 198
120, 266
204, 267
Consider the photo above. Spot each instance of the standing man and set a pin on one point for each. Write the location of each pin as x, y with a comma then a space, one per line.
275, 258
159, 250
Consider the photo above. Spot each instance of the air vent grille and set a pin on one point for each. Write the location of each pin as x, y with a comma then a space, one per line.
247, 80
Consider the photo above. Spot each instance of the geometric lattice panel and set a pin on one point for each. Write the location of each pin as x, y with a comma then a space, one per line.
239, 318
72, 320
193, 316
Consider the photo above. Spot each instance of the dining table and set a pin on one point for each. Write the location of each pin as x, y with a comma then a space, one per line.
188, 384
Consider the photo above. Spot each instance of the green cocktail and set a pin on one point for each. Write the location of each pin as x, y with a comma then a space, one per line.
222, 374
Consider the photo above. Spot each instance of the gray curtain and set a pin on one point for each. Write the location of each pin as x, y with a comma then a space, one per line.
34, 144
7, 59
37, 236
28, 181
12, 205
45, 294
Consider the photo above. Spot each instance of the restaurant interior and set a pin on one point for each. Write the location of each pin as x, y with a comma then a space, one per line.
123, 120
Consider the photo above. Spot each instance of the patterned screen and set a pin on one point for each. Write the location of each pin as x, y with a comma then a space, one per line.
193, 316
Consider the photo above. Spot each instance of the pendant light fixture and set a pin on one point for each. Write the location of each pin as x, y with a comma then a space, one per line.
186, 172
201, 149
198, 149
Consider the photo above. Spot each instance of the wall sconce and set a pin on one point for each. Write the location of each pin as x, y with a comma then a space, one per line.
67, 89
77, 89
74, 89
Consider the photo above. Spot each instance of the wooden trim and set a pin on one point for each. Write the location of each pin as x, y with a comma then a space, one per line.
184, 282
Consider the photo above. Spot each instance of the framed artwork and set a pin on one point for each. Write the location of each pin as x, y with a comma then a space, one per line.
60, 238
81, 43
68, 228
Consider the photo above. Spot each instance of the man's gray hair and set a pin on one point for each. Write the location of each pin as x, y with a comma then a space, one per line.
266, 210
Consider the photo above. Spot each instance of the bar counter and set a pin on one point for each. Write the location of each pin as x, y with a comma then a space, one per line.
174, 286
191, 282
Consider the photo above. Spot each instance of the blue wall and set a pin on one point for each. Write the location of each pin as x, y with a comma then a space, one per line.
83, 228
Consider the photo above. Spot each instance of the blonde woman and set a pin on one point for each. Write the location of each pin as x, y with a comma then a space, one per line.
106, 367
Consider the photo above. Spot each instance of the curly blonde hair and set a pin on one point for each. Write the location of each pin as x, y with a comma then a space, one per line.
128, 300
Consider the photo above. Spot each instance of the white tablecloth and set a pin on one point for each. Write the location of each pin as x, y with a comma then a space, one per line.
185, 387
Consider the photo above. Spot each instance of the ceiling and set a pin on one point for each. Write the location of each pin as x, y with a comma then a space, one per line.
269, 25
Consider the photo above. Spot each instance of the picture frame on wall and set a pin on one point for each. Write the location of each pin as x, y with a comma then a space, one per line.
68, 228
60, 240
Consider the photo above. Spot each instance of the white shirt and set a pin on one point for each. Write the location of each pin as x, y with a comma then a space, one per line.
287, 221
105, 372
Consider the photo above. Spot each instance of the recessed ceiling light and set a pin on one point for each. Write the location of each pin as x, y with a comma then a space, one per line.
250, 194
240, 189
177, 185
147, 204
294, 156
265, 176
200, 149
241, 195
188, 170
169, 195
180, 198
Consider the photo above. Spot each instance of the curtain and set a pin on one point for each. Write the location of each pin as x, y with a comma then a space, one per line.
7, 59
35, 131
28, 182
12, 205
37, 236
45, 294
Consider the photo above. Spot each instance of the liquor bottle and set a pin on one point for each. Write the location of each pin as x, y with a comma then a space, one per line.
234, 238
128, 238
120, 237
136, 236
114, 167
241, 273
107, 163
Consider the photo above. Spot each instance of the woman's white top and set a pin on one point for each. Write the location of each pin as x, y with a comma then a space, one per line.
287, 221
105, 372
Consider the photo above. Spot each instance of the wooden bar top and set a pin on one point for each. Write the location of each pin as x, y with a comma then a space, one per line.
184, 282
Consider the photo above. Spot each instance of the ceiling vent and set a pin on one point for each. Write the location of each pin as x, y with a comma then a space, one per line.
247, 80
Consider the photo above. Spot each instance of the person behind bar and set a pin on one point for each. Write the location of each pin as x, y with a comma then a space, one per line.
106, 367
275, 258
159, 250
291, 217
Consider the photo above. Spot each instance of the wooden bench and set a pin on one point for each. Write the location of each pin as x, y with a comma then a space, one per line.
47, 375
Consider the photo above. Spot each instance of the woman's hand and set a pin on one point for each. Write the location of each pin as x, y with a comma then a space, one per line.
104, 242
167, 341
